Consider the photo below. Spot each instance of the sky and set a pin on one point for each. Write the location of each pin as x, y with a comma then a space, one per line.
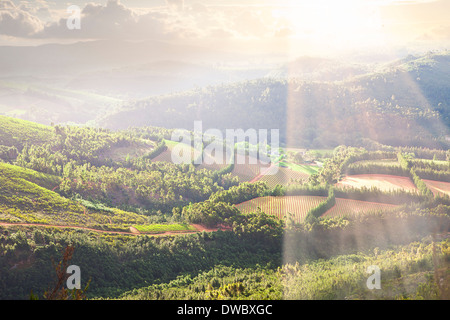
298, 27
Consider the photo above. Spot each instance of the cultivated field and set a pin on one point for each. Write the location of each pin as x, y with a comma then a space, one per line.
182, 149
248, 168
281, 206
283, 177
380, 162
380, 181
438, 187
164, 156
347, 207
304, 168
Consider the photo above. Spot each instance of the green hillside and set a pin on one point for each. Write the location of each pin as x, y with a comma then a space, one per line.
26, 197
16, 132
136, 224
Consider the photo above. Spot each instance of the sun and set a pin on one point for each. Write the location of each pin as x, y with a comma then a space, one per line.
344, 22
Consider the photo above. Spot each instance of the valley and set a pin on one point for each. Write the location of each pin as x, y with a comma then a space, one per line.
357, 175
120, 201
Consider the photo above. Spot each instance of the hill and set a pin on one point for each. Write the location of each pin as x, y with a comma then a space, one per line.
159, 229
25, 197
395, 106
17, 133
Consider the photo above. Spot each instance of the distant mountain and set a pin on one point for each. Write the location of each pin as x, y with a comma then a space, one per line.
319, 69
79, 57
407, 103
161, 77
77, 82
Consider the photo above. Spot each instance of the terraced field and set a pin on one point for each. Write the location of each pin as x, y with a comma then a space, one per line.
347, 207
380, 181
281, 206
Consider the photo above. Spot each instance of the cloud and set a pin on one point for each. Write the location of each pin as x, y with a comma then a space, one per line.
175, 21
115, 20
176, 4
438, 34
97, 21
14, 21
441, 32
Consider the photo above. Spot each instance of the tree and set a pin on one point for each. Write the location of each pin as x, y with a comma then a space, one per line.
298, 158
311, 155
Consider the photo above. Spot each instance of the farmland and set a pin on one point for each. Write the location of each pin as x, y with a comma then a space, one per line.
248, 168
303, 168
298, 206
165, 156
213, 161
282, 176
161, 219
380, 181
113, 163
381, 162
438, 187
347, 207
168, 155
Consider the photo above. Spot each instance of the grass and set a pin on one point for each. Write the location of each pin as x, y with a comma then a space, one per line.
402, 269
161, 228
300, 168
46, 181
170, 144
15, 132
26, 197
168, 155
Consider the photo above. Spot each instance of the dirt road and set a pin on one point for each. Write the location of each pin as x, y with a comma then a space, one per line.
133, 231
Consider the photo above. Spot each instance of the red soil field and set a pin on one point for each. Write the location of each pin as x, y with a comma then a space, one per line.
281, 206
438, 187
283, 176
380, 181
213, 161
347, 207
248, 169
164, 156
